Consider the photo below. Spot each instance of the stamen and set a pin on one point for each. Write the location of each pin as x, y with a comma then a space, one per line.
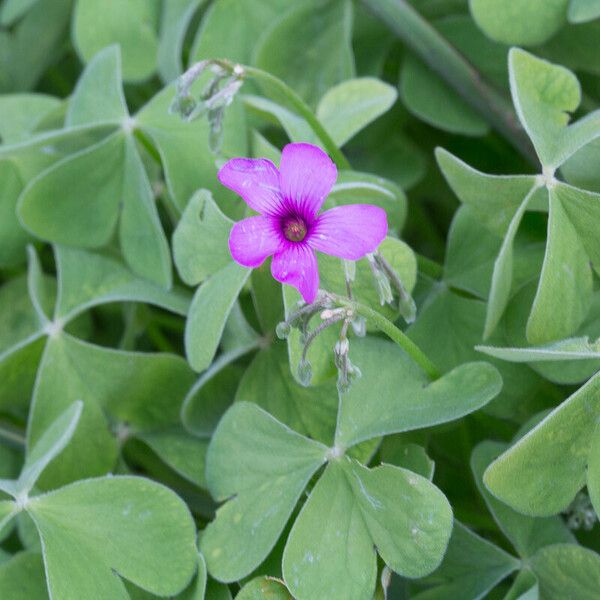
294, 229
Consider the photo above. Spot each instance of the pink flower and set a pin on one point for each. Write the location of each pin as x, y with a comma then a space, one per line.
289, 226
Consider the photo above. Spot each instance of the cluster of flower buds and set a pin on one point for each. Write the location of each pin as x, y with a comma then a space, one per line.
223, 84
329, 315
387, 279
581, 513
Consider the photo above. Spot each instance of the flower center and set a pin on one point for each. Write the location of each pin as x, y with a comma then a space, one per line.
294, 229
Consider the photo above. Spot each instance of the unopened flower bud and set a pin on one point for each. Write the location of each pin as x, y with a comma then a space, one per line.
304, 372
282, 330
359, 326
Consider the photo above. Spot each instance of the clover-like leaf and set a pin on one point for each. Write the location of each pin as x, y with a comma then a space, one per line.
106, 523
593, 471
400, 513
544, 94
200, 246
261, 467
493, 199
527, 534
519, 21
567, 571
581, 11
209, 311
350, 106
564, 293
310, 411
101, 377
327, 27
263, 588
472, 566
21, 114
175, 19
13, 237
132, 25
403, 397
543, 471
433, 101
22, 577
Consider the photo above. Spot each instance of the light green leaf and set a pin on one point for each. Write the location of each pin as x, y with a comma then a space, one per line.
265, 467
471, 567
200, 241
87, 279
13, 238
567, 571
101, 378
230, 29
208, 313
544, 470
583, 210
22, 578
350, 106
564, 292
329, 553
447, 330
130, 24
430, 99
98, 96
514, 22
394, 395
524, 587
471, 250
175, 19
20, 115
264, 588
93, 529
579, 348
76, 201
400, 513
493, 199
296, 128
593, 471
544, 94
581, 11
12, 10
322, 27
527, 534
49, 445
396, 451
143, 242
310, 411
502, 278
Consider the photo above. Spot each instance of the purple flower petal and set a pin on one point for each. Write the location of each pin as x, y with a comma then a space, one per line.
306, 176
253, 239
296, 265
349, 231
256, 180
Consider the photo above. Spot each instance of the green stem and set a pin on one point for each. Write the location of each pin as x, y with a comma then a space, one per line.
433, 49
395, 334
302, 109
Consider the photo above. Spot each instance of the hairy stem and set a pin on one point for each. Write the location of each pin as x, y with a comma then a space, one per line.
395, 334
432, 48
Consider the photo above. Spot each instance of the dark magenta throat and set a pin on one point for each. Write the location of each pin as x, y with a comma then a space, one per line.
294, 229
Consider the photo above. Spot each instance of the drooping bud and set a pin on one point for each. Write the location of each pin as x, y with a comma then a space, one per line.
283, 330
304, 372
